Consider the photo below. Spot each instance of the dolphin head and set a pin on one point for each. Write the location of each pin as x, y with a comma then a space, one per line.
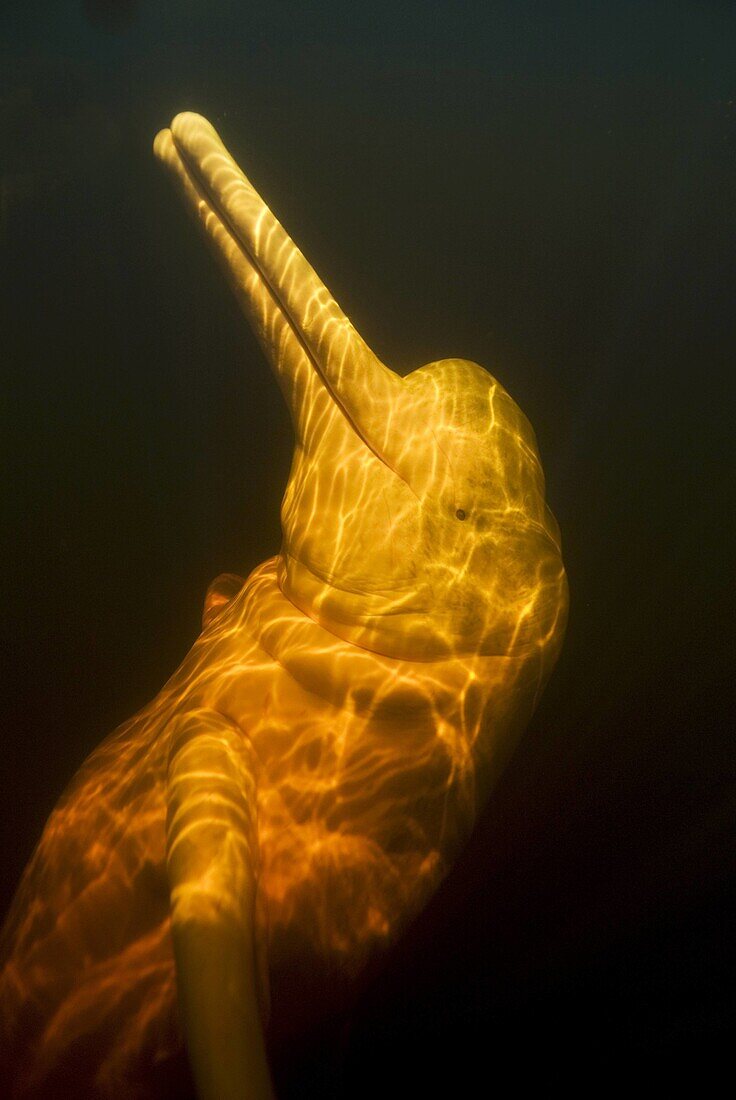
414, 521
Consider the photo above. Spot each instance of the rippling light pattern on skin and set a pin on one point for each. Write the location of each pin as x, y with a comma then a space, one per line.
300, 786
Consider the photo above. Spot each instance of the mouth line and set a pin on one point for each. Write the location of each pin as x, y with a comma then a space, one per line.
214, 207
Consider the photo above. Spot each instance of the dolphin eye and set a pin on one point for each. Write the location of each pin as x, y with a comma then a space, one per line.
460, 513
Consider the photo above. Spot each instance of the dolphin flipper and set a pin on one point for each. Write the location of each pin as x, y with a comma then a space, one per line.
211, 862
219, 594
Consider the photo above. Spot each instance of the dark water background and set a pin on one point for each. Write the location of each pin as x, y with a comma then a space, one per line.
545, 188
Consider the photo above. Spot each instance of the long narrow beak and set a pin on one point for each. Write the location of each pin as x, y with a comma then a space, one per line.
299, 323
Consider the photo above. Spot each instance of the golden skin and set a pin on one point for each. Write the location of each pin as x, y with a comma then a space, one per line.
300, 786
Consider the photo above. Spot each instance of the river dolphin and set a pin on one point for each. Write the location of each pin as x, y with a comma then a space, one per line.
300, 786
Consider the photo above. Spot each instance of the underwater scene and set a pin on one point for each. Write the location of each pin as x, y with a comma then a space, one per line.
368, 539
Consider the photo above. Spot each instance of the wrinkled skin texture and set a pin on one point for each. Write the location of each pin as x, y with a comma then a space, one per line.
299, 788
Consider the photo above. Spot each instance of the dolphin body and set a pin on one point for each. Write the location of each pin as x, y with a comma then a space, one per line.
298, 789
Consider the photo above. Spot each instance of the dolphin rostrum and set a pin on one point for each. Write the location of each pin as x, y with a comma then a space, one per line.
302, 783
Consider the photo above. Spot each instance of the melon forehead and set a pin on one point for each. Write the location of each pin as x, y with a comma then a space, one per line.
452, 377
470, 411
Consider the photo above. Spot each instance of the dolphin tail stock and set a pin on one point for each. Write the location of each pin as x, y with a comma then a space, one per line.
212, 870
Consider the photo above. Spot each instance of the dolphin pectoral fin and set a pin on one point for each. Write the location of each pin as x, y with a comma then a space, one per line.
211, 861
222, 589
